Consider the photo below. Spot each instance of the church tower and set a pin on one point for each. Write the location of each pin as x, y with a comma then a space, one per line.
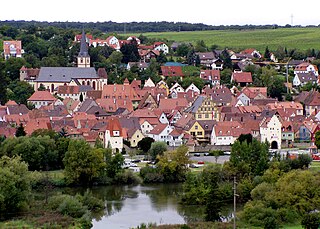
83, 56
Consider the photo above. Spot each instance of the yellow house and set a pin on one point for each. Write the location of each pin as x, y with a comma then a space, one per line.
164, 85
201, 129
136, 137
203, 108
196, 130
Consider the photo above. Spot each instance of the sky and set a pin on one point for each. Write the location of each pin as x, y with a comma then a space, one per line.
210, 12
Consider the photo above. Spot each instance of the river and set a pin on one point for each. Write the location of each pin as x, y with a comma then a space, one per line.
130, 206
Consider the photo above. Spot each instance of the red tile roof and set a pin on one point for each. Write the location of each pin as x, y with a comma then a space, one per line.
169, 71
42, 96
242, 77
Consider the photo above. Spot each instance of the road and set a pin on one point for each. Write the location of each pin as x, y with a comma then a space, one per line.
221, 159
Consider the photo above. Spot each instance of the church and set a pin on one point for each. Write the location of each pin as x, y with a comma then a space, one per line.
52, 77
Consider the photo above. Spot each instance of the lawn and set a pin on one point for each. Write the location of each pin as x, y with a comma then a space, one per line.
315, 166
292, 38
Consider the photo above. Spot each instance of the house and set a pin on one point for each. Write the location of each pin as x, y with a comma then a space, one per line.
140, 65
121, 92
41, 98
148, 101
147, 55
301, 79
29, 75
249, 94
241, 78
176, 138
149, 83
12, 49
169, 104
200, 130
171, 71
161, 133
211, 76
77, 93
206, 58
203, 108
131, 38
114, 134
176, 88
145, 126
270, 130
295, 107
312, 103
220, 95
306, 67
161, 46
133, 130
287, 133
227, 132
302, 132
252, 52
193, 88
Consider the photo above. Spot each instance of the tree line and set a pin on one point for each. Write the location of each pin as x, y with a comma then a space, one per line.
139, 27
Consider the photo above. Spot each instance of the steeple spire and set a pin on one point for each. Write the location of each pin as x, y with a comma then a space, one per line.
83, 56
83, 46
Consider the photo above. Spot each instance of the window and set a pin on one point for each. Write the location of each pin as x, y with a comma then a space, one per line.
206, 115
199, 133
196, 127
199, 116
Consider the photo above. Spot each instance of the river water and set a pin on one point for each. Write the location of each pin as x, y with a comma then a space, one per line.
129, 207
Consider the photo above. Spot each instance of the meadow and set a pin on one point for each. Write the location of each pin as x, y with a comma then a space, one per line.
291, 38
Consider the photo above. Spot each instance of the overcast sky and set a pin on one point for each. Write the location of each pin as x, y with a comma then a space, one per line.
211, 12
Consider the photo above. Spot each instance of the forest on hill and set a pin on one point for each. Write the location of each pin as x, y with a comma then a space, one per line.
137, 27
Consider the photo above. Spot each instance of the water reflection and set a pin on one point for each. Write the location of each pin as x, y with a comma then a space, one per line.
141, 204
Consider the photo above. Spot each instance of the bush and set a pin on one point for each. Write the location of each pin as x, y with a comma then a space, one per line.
92, 203
151, 175
127, 177
67, 205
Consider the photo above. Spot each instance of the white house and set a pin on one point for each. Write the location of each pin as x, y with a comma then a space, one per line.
193, 88
226, 133
160, 46
270, 130
146, 127
113, 134
163, 118
41, 98
175, 138
161, 133
245, 100
176, 88
301, 78
306, 67
149, 83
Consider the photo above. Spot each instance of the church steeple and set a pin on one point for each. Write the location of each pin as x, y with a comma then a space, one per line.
83, 56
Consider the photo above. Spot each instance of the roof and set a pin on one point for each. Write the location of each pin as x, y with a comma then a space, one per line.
285, 105
42, 96
313, 99
65, 74
196, 104
206, 55
17, 109
169, 71
13, 45
242, 77
210, 74
307, 77
252, 92
83, 46
158, 129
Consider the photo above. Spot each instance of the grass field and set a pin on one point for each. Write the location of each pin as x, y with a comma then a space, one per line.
292, 38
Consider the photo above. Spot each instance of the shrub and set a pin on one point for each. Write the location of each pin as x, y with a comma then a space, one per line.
91, 202
127, 177
67, 205
151, 175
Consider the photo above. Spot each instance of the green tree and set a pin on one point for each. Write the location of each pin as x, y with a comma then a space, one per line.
20, 91
82, 163
3, 85
200, 46
20, 131
145, 143
157, 148
250, 158
267, 54
311, 220
317, 139
183, 49
15, 185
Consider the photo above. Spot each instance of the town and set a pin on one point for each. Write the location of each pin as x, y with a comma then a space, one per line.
173, 108
90, 121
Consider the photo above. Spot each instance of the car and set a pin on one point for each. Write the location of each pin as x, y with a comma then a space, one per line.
227, 152
133, 165
206, 154
193, 166
200, 162
136, 160
196, 154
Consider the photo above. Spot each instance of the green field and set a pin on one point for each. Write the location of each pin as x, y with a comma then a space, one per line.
292, 38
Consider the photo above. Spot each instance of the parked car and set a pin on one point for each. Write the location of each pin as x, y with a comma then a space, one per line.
206, 154
136, 160
196, 154
227, 152
200, 162
193, 166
